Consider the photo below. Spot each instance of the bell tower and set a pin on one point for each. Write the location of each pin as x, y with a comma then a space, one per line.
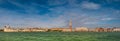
70, 25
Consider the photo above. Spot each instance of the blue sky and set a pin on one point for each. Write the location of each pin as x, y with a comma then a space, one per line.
57, 13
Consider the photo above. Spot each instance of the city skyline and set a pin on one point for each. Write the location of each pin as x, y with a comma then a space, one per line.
58, 13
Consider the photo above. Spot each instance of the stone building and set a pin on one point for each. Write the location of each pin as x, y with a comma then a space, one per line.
39, 29
81, 29
91, 30
99, 30
33, 30
56, 29
116, 29
108, 29
70, 26
66, 30
7, 28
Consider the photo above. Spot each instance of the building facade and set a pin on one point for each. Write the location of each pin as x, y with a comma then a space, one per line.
81, 29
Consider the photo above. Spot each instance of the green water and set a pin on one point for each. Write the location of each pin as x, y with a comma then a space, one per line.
60, 36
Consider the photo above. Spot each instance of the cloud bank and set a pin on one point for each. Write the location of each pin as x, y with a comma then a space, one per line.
57, 13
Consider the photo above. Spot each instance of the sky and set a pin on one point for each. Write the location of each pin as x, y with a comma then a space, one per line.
58, 13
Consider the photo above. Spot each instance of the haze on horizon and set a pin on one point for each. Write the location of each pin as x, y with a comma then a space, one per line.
57, 13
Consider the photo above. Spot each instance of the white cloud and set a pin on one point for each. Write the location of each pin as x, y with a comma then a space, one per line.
90, 5
117, 11
90, 22
16, 19
17, 4
107, 19
62, 15
78, 16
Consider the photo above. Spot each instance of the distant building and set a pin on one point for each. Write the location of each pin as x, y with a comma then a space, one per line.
91, 30
66, 30
108, 29
25, 30
116, 29
7, 28
1, 30
56, 29
70, 26
34, 30
60, 29
81, 29
99, 30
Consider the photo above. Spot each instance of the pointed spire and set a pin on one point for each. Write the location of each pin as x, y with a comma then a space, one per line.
70, 24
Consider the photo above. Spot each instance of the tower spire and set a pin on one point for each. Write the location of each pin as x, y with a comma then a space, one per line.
70, 24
